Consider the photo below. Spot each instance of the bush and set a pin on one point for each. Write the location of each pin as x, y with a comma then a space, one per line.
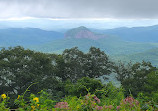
83, 86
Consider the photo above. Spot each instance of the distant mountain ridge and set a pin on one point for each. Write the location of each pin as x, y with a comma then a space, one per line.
27, 36
134, 34
83, 32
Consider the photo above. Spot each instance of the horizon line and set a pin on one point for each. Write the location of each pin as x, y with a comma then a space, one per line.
62, 18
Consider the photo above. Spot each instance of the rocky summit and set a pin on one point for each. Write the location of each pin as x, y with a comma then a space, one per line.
83, 32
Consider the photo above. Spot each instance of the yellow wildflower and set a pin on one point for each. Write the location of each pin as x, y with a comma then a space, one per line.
33, 108
36, 99
4, 96
18, 96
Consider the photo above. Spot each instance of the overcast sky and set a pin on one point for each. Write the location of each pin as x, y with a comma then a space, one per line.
116, 9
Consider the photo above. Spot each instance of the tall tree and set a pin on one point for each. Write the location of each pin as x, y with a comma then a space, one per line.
97, 63
19, 68
92, 64
74, 63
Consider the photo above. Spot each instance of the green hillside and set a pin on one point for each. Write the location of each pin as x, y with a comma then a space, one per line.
149, 55
111, 45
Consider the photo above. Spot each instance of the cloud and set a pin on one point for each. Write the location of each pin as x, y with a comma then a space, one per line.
118, 9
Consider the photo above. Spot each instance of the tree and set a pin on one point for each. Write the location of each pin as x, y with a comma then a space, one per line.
19, 68
97, 64
151, 86
93, 64
152, 82
74, 63
133, 77
123, 70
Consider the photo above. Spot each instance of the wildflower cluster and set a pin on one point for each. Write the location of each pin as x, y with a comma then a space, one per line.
118, 108
62, 105
35, 105
98, 107
3, 100
110, 107
130, 101
94, 103
97, 99
89, 102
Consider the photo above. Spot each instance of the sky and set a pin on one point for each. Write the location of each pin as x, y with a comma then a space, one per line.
130, 11
116, 9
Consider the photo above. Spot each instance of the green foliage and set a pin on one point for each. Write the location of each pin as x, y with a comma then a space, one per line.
112, 99
152, 82
83, 86
111, 95
134, 77
19, 68
74, 102
43, 102
3, 102
98, 63
93, 64
152, 86
74, 64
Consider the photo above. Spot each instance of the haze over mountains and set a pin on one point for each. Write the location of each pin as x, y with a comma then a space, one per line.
135, 34
135, 43
27, 36
64, 24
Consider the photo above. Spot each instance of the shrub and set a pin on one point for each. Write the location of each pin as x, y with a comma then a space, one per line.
83, 86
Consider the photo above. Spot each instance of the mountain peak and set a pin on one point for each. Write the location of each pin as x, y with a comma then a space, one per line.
82, 32
83, 28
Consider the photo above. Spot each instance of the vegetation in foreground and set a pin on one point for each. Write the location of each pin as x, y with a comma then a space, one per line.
109, 98
71, 82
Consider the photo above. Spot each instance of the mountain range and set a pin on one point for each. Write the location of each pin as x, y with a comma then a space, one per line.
27, 36
137, 43
134, 34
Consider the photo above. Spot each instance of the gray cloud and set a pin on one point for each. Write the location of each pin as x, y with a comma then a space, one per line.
133, 9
